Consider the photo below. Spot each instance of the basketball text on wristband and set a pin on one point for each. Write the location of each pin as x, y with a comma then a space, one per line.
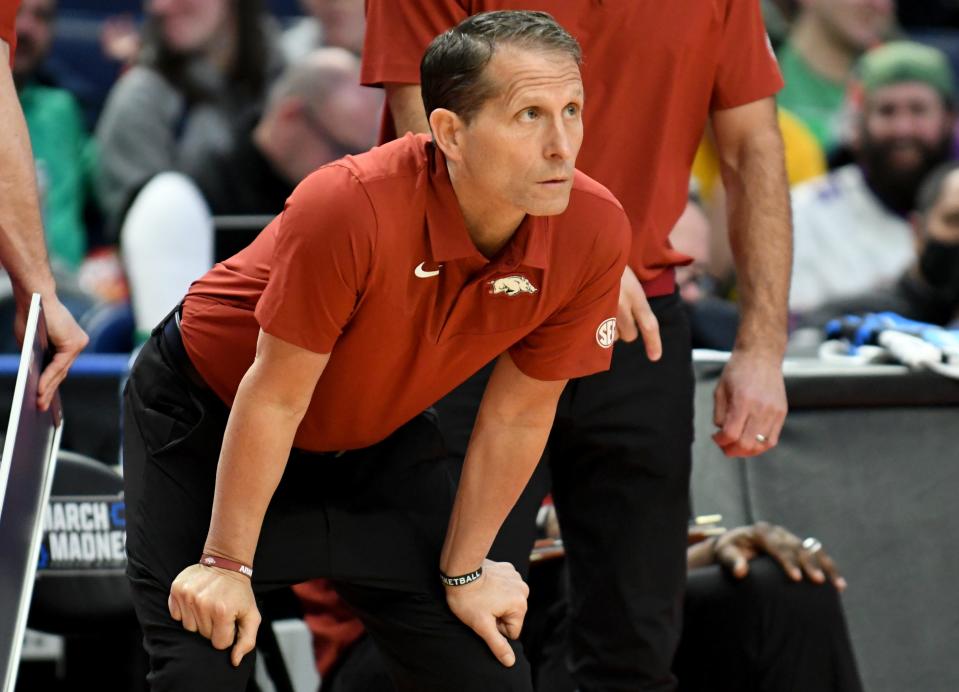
462, 580
223, 563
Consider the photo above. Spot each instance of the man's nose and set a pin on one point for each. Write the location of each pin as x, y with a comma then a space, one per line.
559, 144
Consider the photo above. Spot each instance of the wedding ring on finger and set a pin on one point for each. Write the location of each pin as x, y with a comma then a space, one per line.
812, 545
761, 439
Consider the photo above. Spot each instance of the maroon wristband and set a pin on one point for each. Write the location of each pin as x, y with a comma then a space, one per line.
223, 563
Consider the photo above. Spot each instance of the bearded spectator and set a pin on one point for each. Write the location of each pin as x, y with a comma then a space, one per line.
852, 235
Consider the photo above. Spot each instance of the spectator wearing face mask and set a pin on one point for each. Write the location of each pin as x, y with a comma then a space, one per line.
928, 290
852, 234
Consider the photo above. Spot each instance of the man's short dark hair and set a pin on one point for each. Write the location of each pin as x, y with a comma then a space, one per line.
451, 72
932, 184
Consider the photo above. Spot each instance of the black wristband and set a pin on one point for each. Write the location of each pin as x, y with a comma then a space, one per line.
462, 580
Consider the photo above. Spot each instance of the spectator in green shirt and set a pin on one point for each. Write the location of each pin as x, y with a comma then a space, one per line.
817, 57
61, 146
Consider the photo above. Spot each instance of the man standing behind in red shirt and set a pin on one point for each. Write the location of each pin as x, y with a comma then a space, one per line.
619, 454
23, 252
281, 412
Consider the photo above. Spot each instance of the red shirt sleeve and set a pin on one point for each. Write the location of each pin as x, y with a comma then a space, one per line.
8, 24
748, 70
320, 260
397, 34
577, 340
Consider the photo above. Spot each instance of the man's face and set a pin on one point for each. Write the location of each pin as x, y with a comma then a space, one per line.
352, 116
906, 131
941, 222
939, 244
520, 148
34, 35
344, 22
856, 24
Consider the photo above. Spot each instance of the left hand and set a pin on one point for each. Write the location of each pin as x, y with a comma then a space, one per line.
734, 549
749, 404
66, 338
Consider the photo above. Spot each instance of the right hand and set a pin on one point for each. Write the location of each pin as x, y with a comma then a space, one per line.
635, 317
493, 606
219, 604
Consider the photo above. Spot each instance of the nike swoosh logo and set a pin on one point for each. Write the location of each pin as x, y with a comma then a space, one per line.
424, 274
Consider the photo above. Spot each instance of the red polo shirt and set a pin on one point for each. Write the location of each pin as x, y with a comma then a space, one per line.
371, 261
8, 24
653, 71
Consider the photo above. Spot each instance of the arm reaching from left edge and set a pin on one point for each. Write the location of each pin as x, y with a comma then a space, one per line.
750, 399
23, 251
511, 430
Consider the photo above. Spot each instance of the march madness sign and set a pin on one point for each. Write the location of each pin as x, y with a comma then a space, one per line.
83, 534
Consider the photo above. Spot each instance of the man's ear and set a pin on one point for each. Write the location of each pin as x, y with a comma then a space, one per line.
447, 130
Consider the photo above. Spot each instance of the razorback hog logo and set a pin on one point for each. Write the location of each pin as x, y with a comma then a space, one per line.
511, 285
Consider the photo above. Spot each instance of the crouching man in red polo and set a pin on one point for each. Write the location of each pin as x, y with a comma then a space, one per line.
275, 425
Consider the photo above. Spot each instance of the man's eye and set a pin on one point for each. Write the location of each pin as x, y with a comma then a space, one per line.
572, 109
529, 114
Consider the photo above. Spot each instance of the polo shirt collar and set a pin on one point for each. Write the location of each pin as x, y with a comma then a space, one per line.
449, 238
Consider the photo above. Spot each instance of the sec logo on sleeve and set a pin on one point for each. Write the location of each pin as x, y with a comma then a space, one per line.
606, 333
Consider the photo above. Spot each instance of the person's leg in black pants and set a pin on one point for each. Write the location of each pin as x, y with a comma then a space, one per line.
763, 633
620, 456
372, 520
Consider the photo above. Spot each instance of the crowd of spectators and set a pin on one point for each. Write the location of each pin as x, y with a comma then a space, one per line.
215, 107
191, 91
867, 114
220, 107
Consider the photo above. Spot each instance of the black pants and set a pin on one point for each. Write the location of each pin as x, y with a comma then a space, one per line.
619, 457
764, 633
372, 520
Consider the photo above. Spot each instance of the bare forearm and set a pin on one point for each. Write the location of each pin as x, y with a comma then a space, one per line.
511, 429
498, 466
23, 251
760, 231
256, 446
406, 105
